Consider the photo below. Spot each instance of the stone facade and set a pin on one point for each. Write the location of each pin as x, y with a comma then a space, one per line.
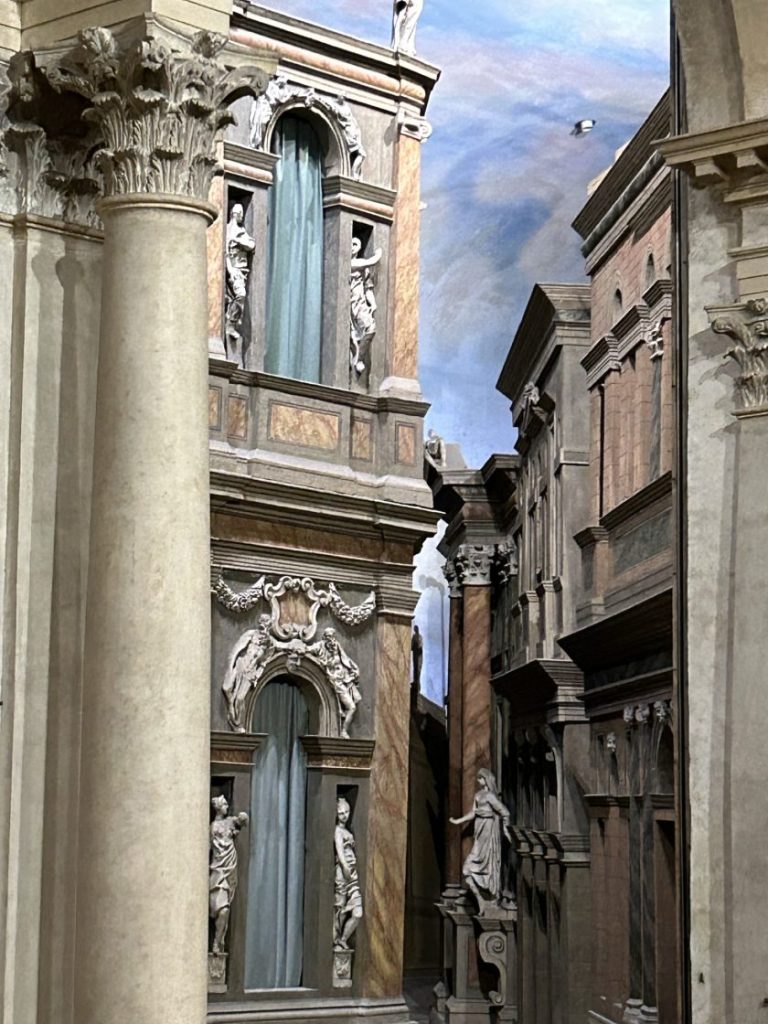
227, 529
573, 702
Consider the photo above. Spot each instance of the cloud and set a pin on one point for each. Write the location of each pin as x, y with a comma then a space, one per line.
503, 179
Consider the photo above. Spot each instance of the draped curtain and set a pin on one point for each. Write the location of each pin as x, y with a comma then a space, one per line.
275, 918
295, 272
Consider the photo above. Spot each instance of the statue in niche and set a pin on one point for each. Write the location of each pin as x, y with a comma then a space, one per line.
246, 666
434, 449
342, 673
417, 654
405, 17
223, 869
340, 109
362, 310
240, 248
482, 868
348, 901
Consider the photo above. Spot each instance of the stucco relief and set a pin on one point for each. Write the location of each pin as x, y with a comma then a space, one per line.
288, 633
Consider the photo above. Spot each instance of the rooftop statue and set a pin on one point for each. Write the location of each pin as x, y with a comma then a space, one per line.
405, 17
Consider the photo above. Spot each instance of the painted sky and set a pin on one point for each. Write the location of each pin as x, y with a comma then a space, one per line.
503, 179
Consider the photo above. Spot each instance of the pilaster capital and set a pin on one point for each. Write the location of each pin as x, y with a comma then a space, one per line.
452, 578
474, 563
505, 561
747, 325
157, 103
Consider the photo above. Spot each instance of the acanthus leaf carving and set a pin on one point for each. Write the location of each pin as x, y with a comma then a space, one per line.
747, 325
157, 110
473, 564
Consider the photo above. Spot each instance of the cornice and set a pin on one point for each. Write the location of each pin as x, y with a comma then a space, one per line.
248, 163
320, 392
348, 193
642, 499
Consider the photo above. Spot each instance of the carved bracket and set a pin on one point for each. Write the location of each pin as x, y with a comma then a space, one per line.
747, 325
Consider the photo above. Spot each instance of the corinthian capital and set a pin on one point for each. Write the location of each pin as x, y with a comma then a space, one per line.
156, 105
473, 564
747, 325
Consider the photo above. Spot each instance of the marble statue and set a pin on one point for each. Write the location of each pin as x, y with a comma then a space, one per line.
343, 675
405, 16
340, 109
240, 248
434, 449
246, 666
482, 868
223, 869
348, 901
362, 309
417, 653
278, 92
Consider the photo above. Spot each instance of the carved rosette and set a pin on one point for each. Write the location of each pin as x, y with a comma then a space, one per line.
473, 564
747, 325
157, 109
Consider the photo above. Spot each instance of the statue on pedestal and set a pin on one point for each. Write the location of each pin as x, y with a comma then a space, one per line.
482, 868
363, 306
240, 248
223, 869
348, 901
405, 16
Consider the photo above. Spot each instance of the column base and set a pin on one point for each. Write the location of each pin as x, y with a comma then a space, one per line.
632, 1009
467, 1011
649, 1014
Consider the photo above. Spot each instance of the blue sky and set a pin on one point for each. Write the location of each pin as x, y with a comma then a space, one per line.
503, 179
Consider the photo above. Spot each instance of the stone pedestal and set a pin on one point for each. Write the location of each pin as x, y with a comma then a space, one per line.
466, 1003
217, 973
497, 946
342, 968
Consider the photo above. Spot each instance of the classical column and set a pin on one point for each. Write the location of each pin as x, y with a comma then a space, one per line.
473, 564
455, 661
142, 913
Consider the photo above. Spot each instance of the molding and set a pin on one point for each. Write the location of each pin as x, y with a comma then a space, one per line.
359, 197
235, 749
638, 502
331, 754
251, 164
218, 367
720, 156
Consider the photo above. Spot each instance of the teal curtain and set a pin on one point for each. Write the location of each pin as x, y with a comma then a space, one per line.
275, 920
295, 272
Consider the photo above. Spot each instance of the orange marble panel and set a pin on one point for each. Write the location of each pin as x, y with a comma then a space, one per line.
215, 247
362, 440
214, 408
407, 230
293, 424
384, 900
237, 416
405, 444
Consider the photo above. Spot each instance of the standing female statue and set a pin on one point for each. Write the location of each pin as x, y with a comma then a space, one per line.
348, 902
405, 16
482, 868
362, 310
223, 871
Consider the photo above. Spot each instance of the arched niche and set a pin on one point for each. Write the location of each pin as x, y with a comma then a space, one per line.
336, 158
314, 686
664, 762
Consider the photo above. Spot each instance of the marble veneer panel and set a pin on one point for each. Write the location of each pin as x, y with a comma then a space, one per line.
237, 416
214, 408
405, 444
476, 693
405, 337
215, 246
361, 445
293, 424
387, 823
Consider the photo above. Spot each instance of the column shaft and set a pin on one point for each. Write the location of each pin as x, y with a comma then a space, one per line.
476, 693
142, 886
455, 809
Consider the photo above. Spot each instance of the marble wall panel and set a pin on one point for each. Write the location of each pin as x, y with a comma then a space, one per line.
476, 722
237, 416
405, 444
215, 247
361, 445
295, 425
384, 900
214, 408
